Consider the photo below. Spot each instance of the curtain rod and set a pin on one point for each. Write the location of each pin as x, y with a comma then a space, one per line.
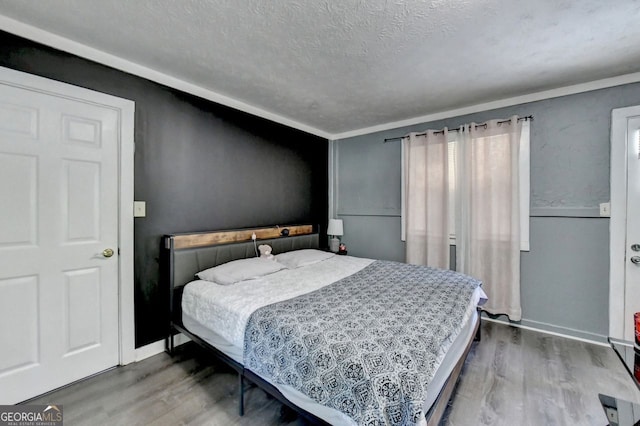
398, 138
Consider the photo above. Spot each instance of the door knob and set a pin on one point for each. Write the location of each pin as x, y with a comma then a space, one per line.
635, 260
109, 252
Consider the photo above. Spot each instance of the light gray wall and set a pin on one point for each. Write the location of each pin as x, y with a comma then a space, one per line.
564, 277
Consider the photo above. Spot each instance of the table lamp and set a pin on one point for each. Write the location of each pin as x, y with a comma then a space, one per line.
335, 231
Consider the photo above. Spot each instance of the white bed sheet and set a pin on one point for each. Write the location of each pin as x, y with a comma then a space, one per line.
329, 414
218, 314
226, 309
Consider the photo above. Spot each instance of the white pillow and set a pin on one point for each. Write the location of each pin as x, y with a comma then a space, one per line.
240, 270
297, 258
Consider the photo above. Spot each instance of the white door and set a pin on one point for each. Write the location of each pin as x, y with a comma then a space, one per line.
625, 221
59, 212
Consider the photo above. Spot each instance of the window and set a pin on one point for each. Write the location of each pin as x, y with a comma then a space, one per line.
524, 184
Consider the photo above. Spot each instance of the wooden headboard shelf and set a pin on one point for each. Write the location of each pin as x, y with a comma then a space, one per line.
202, 239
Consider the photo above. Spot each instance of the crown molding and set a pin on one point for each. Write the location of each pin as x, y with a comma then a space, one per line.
58, 42
517, 100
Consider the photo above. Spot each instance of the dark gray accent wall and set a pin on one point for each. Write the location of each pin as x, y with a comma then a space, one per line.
198, 165
564, 277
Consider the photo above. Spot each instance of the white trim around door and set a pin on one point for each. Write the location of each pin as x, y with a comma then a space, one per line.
618, 223
126, 111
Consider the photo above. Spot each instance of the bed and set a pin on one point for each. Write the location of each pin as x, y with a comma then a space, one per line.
313, 334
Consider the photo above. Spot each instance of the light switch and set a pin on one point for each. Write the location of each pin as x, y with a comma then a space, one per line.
139, 209
605, 209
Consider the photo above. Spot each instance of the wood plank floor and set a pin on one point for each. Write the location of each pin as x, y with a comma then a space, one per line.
512, 377
521, 377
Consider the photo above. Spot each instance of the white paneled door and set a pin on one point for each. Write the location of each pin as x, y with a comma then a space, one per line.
625, 222
58, 223
632, 263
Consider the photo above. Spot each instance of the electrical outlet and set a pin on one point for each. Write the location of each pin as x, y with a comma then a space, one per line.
605, 209
139, 209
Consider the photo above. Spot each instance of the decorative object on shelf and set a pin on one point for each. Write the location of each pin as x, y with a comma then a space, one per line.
265, 251
342, 249
335, 230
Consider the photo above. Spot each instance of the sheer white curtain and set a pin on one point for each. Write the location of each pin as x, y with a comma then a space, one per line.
488, 211
426, 198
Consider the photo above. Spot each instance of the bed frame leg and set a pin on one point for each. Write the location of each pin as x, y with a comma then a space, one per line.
169, 344
241, 386
478, 336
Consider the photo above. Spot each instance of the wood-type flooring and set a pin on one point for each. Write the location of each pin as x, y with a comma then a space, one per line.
511, 377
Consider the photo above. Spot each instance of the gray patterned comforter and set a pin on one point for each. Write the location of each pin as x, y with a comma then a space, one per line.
367, 345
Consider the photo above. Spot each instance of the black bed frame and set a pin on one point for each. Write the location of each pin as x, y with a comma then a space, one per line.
238, 249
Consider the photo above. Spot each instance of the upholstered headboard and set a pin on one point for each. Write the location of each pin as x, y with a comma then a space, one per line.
184, 255
189, 261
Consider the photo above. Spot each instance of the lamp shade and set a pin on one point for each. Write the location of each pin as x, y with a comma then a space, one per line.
335, 227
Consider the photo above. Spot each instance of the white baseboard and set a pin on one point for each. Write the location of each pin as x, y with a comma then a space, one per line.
553, 333
155, 348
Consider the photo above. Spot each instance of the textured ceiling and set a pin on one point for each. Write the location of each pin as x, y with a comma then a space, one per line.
342, 65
